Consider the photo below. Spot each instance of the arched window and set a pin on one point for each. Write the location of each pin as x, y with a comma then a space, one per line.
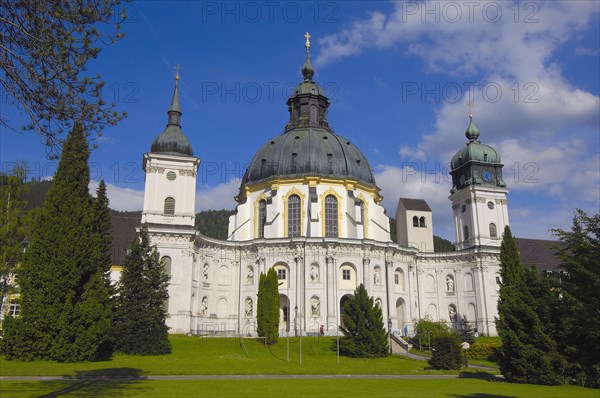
466, 229
422, 222
331, 216
169, 205
262, 217
493, 230
415, 221
362, 211
166, 262
293, 216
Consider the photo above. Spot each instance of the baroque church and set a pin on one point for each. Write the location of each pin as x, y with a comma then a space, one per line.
309, 207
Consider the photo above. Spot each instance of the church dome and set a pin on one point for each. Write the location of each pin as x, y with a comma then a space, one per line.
172, 141
475, 150
309, 151
308, 146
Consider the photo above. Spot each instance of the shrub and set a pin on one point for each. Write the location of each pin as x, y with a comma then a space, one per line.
446, 353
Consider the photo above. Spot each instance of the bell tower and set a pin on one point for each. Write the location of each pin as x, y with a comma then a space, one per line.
171, 168
478, 193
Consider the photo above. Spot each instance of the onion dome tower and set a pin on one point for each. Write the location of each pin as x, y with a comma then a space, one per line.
478, 193
308, 158
171, 169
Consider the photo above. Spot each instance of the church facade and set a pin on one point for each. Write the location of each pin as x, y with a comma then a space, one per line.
309, 207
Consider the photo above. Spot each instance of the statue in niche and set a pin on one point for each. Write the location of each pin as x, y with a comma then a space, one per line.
248, 308
205, 273
250, 276
376, 278
314, 273
378, 303
449, 283
452, 313
315, 306
204, 306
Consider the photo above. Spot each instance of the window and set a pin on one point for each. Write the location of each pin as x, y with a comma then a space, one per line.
169, 206
281, 274
422, 222
14, 308
493, 230
331, 216
262, 217
346, 274
166, 262
466, 229
396, 278
490, 205
171, 175
463, 209
294, 216
415, 221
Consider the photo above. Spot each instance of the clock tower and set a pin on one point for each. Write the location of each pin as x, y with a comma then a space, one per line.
478, 193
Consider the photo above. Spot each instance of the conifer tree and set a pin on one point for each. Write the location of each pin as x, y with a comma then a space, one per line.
446, 352
272, 288
267, 307
528, 353
141, 304
577, 315
61, 316
261, 306
364, 332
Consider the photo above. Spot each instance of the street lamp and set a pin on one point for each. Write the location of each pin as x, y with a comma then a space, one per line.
465, 346
390, 333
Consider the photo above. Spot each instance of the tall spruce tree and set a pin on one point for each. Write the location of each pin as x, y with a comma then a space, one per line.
528, 354
141, 304
62, 316
577, 314
364, 332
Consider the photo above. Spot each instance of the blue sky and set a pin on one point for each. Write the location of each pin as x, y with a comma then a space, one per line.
399, 76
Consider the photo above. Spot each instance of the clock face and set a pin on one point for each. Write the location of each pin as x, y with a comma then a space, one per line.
487, 176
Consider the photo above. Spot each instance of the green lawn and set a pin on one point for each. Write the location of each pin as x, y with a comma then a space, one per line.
221, 356
193, 355
380, 388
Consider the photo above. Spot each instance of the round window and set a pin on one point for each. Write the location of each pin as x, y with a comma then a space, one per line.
171, 175
491, 205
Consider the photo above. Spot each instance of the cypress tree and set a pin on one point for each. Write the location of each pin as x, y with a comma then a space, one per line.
62, 315
261, 304
528, 353
272, 299
364, 332
140, 307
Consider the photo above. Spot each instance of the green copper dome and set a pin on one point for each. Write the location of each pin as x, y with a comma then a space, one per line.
475, 150
172, 141
308, 146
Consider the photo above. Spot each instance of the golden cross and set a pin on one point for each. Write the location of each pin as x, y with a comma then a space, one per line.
470, 105
307, 44
177, 68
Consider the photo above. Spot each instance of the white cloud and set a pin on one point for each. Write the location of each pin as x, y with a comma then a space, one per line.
411, 182
545, 128
121, 199
217, 197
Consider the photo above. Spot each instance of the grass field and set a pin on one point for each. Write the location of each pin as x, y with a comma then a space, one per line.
331, 388
228, 356
193, 356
